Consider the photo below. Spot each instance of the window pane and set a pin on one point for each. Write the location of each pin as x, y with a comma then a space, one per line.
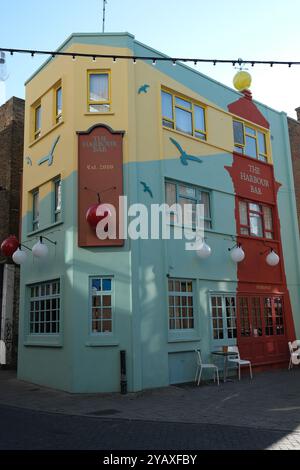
38, 118
99, 87
183, 121
243, 213
256, 225
249, 130
166, 103
250, 149
187, 191
238, 132
254, 207
58, 195
261, 142
58, 101
170, 193
199, 118
98, 108
238, 149
96, 284
204, 199
268, 218
183, 103
106, 284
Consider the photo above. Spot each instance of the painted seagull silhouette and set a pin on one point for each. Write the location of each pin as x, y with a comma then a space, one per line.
146, 188
143, 88
49, 158
184, 157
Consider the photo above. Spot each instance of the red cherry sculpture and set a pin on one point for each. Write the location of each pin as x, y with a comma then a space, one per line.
9, 245
91, 215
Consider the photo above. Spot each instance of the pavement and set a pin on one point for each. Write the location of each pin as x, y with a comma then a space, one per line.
266, 408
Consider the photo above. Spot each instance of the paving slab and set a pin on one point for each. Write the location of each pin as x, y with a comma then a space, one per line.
270, 401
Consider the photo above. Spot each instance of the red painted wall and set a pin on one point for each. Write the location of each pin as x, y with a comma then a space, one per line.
254, 181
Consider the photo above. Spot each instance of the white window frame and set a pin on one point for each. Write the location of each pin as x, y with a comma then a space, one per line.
226, 339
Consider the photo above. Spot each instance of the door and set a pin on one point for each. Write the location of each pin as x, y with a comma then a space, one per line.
261, 334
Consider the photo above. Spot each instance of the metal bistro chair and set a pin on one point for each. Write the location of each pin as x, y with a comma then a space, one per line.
201, 366
237, 360
294, 348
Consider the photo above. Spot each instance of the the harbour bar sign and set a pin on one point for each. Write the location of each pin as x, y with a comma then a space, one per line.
100, 176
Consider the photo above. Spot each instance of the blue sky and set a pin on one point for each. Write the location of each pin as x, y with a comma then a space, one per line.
257, 29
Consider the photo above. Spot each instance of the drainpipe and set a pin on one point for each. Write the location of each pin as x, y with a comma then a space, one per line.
123, 381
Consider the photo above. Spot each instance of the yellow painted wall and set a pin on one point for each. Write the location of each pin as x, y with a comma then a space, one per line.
139, 115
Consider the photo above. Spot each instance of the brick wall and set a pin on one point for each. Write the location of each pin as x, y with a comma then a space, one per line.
11, 163
294, 133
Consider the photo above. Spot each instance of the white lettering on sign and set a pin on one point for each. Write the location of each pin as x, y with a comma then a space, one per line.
100, 167
99, 144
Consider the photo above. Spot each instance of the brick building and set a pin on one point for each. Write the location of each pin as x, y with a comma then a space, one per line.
11, 157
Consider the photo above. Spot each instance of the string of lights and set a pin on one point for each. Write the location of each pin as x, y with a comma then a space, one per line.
154, 59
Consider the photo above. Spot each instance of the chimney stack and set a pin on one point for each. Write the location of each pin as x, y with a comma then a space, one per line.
298, 113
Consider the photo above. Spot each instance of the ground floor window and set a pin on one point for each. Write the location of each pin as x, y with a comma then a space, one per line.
261, 316
101, 301
246, 316
44, 315
181, 304
223, 316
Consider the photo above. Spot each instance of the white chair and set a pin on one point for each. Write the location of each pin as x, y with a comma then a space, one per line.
201, 366
237, 360
294, 353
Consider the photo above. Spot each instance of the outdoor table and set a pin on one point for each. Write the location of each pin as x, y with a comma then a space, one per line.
225, 354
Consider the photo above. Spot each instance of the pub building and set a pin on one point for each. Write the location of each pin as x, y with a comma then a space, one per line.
97, 313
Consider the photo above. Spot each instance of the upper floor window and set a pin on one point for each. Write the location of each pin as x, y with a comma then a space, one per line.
98, 91
35, 210
44, 307
256, 219
37, 121
249, 141
101, 301
57, 199
181, 193
181, 304
58, 104
183, 115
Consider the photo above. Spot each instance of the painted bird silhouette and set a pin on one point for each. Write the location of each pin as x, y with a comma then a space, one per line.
146, 188
143, 88
49, 157
184, 157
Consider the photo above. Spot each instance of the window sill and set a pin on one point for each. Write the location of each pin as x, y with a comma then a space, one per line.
47, 227
55, 126
102, 342
183, 338
44, 342
109, 113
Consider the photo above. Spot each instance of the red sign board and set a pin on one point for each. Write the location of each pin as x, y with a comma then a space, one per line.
100, 174
253, 179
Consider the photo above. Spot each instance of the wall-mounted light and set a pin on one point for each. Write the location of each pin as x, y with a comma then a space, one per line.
204, 250
40, 249
20, 256
237, 253
272, 259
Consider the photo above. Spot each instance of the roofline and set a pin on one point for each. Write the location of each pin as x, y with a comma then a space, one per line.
145, 46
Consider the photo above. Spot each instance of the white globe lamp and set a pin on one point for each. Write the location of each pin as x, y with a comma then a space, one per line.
237, 254
40, 250
19, 256
272, 259
204, 250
